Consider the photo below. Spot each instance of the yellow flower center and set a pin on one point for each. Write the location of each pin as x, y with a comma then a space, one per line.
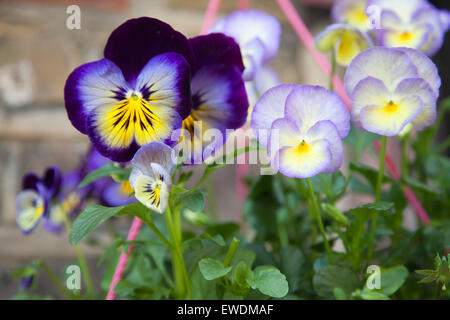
303, 147
405, 36
391, 107
125, 188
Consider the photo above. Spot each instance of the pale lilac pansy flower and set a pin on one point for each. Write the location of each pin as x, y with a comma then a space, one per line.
151, 175
352, 12
391, 87
411, 23
256, 32
345, 40
302, 127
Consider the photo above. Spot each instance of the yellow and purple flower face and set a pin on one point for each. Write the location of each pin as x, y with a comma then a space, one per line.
33, 202
352, 12
391, 87
302, 128
411, 23
219, 99
257, 47
151, 175
133, 96
346, 41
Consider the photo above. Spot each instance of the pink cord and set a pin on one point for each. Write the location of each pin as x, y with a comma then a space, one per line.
210, 15
243, 4
121, 265
409, 194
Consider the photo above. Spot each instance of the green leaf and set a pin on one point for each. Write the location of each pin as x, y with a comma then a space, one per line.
369, 173
372, 295
94, 215
212, 269
330, 184
291, 264
108, 170
194, 200
197, 218
391, 280
269, 281
339, 294
330, 277
335, 213
372, 208
360, 140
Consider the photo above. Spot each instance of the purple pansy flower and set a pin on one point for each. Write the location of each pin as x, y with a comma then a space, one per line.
302, 128
33, 202
256, 32
352, 12
411, 23
218, 95
391, 87
139, 93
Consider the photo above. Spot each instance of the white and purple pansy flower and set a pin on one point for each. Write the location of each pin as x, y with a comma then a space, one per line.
257, 47
411, 23
391, 87
352, 12
33, 202
345, 40
139, 93
219, 99
151, 175
302, 127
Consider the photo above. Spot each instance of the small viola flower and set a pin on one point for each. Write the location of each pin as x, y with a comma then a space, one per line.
391, 87
139, 93
346, 41
33, 202
258, 47
151, 175
308, 123
411, 23
218, 94
26, 282
274, 103
352, 12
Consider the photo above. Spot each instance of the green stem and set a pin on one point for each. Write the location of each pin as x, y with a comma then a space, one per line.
319, 219
152, 226
333, 70
231, 251
377, 197
179, 267
54, 278
444, 145
82, 262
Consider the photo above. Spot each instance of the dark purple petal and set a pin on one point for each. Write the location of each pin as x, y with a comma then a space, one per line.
26, 282
113, 195
136, 41
52, 181
216, 48
30, 181
91, 85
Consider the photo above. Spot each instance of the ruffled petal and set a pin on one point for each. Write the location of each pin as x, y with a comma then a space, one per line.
420, 88
311, 104
155, 152
390, 120
54, 222
216, 48
369, 92
52, 181
253, 58
219, 102
135, 42
297, 163
92, 85
267, 109
386, 64
425, 67
326, 130
287, 134
30, 208
246, 25
350, 11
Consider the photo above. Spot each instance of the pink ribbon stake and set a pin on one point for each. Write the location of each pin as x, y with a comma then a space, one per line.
121, 265
210, 15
